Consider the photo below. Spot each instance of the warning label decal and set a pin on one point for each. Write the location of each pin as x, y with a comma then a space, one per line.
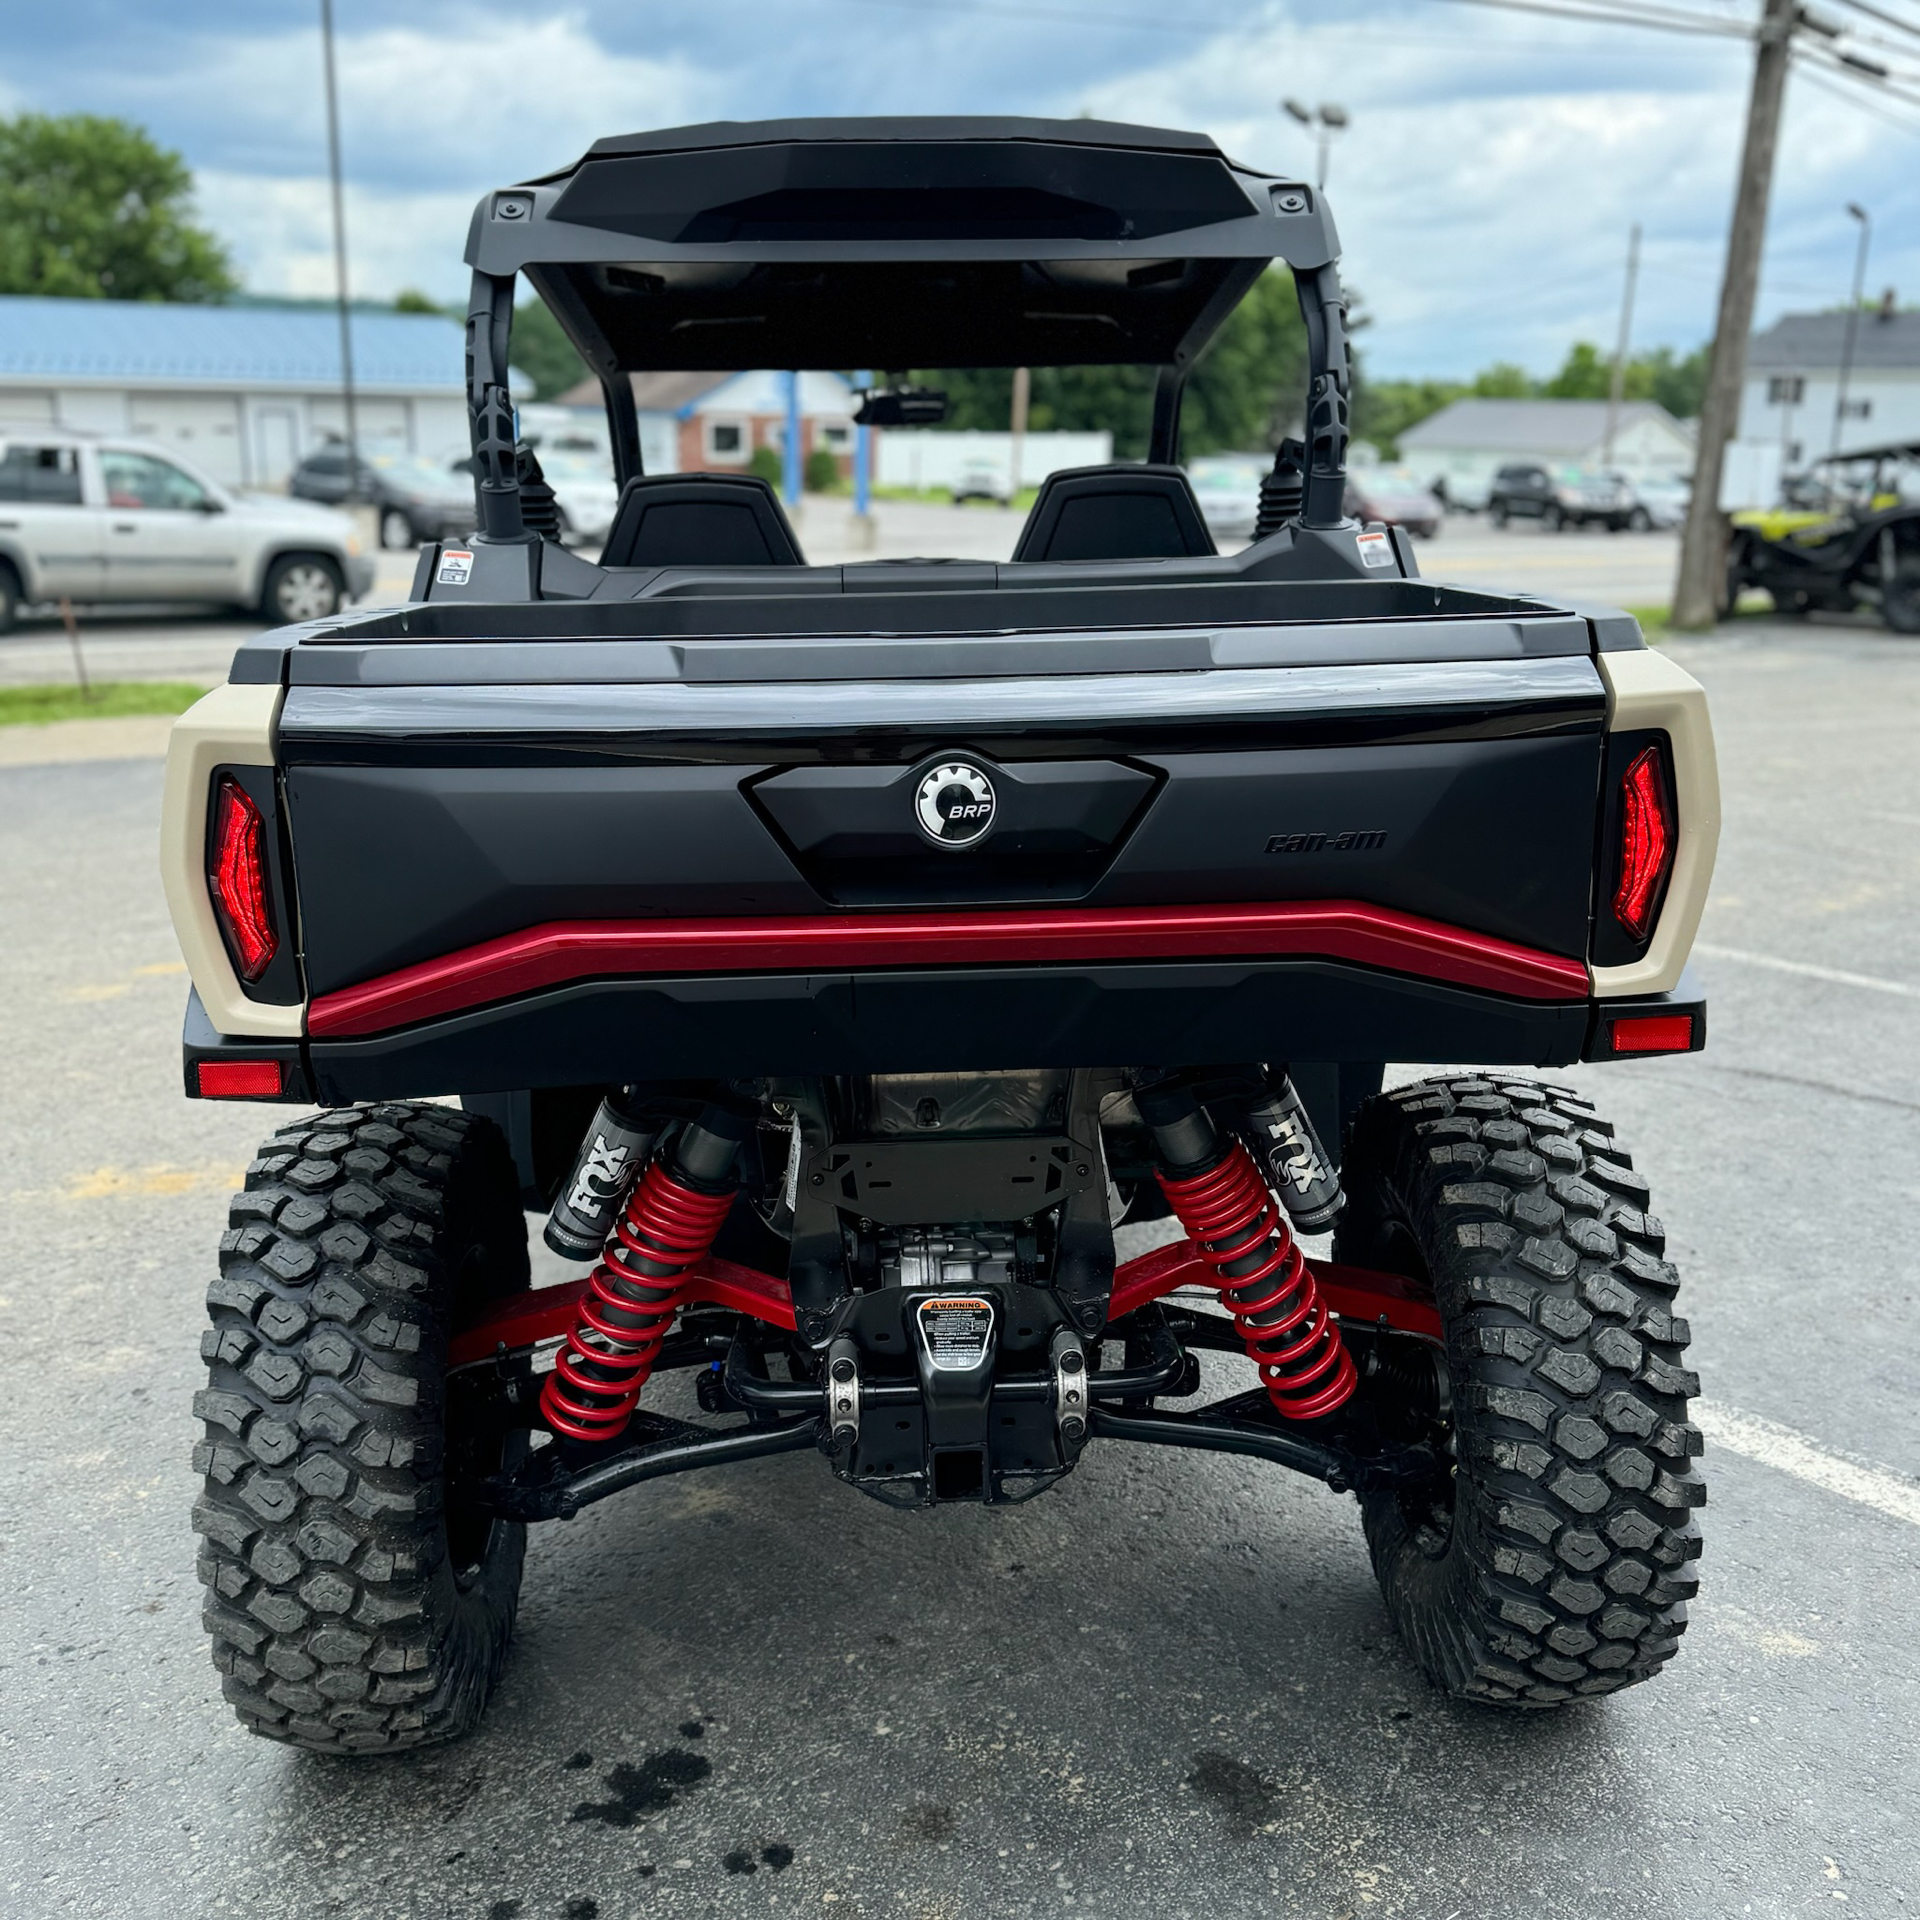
956, 1330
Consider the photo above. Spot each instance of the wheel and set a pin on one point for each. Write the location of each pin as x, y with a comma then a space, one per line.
1640, 520
302, 586
9, 597
1736, 580
1557, 1559
350, 1608
1499, 516
1899, 602
396, 530
1553, 519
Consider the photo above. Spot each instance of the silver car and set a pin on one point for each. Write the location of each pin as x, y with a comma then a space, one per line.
92, 518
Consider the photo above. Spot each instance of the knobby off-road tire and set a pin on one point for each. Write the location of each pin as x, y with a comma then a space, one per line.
1561, 1561
349, 1610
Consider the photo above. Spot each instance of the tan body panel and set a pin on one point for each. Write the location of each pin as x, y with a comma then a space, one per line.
231, 726
1646, 690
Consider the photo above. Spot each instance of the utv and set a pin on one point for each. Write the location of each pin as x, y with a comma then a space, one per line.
1854, 544
837, 955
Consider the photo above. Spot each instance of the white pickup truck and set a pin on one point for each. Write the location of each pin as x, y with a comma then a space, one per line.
91, 518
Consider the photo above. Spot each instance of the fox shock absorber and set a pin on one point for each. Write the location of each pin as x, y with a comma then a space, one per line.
610, 1159
1217, 1194
1291, 1156
664, 1230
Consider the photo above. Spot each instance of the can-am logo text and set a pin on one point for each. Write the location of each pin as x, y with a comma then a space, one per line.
1354, 842
955, 804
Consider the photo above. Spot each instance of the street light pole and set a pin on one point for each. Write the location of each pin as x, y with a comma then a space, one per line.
1322, 124
1616, 387
1853, 320
340, 251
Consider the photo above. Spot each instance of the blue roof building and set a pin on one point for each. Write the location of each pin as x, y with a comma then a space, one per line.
244, 391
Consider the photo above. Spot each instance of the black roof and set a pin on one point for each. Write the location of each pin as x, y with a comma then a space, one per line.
894, 243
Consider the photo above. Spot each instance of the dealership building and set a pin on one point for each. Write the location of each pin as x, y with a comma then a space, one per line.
243, 392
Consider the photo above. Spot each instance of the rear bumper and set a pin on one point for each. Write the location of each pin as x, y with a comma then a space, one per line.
947, 1020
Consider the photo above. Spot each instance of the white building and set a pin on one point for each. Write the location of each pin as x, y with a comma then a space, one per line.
242, 392
1792, 386
934, 458
1463, 445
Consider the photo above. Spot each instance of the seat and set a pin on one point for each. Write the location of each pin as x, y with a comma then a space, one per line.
1115, 513
700, 520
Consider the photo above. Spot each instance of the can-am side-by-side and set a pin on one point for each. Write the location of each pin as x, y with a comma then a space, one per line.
837, 955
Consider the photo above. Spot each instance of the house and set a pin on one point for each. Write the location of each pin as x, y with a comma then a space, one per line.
1792, 385
243, 392
719, 420
1463, 445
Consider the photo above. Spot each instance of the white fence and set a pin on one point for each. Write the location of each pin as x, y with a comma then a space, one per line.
932, 457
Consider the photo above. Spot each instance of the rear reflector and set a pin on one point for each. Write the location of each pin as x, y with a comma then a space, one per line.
1654, 1033
239, 880
1646, 843
239, 1079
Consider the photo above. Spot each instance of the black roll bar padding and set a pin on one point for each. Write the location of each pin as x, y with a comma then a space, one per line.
623, 428
1163, 442
496, 479
1329, 390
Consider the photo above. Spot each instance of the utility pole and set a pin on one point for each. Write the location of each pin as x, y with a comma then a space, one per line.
1022, 396
1853, 320
1619, 382
340, 250
1703, 547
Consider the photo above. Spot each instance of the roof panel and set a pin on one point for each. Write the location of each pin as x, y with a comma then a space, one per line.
147, 343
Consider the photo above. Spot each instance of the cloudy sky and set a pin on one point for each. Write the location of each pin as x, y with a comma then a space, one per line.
1484, 191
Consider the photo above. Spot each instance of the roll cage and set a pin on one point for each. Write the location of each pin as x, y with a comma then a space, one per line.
897, 243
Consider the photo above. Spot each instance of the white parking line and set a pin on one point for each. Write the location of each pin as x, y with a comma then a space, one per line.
1838, 975
1789, 1452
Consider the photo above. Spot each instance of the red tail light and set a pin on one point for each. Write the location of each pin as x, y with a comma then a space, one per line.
1646, 843
239, 880
1653, 1033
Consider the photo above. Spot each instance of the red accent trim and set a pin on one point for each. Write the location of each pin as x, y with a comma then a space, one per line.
567, 950
548, 1313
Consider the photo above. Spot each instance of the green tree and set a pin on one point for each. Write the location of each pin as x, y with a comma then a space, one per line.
1384, 410
93, 208
543, 353
1249, 389
1679, 384
1504, 381
1585, 374
412, 300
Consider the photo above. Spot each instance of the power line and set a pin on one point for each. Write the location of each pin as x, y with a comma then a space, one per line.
1856, 97
1885, 18
1622, 13
1881, 79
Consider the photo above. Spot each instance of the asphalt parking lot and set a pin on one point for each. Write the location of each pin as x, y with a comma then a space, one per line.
1166, 1689
1625, 569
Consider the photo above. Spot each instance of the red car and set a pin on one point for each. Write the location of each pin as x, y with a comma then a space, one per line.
1396, 495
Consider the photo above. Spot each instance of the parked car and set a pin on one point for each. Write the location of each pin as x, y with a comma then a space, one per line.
418, 498
1228, 489
84, 517
1659, 500
983, 479
1559, 497
584, 490
1396, 495
722, 904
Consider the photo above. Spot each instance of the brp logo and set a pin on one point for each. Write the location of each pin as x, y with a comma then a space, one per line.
955, 804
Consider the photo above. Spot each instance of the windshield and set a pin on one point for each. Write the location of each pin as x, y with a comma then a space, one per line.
415, 468
1395, 480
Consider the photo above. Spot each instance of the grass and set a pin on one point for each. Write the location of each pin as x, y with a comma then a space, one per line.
1653, 620
108, 700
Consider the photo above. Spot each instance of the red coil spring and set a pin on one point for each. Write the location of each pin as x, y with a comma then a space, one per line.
1289, 1334
663, 1233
